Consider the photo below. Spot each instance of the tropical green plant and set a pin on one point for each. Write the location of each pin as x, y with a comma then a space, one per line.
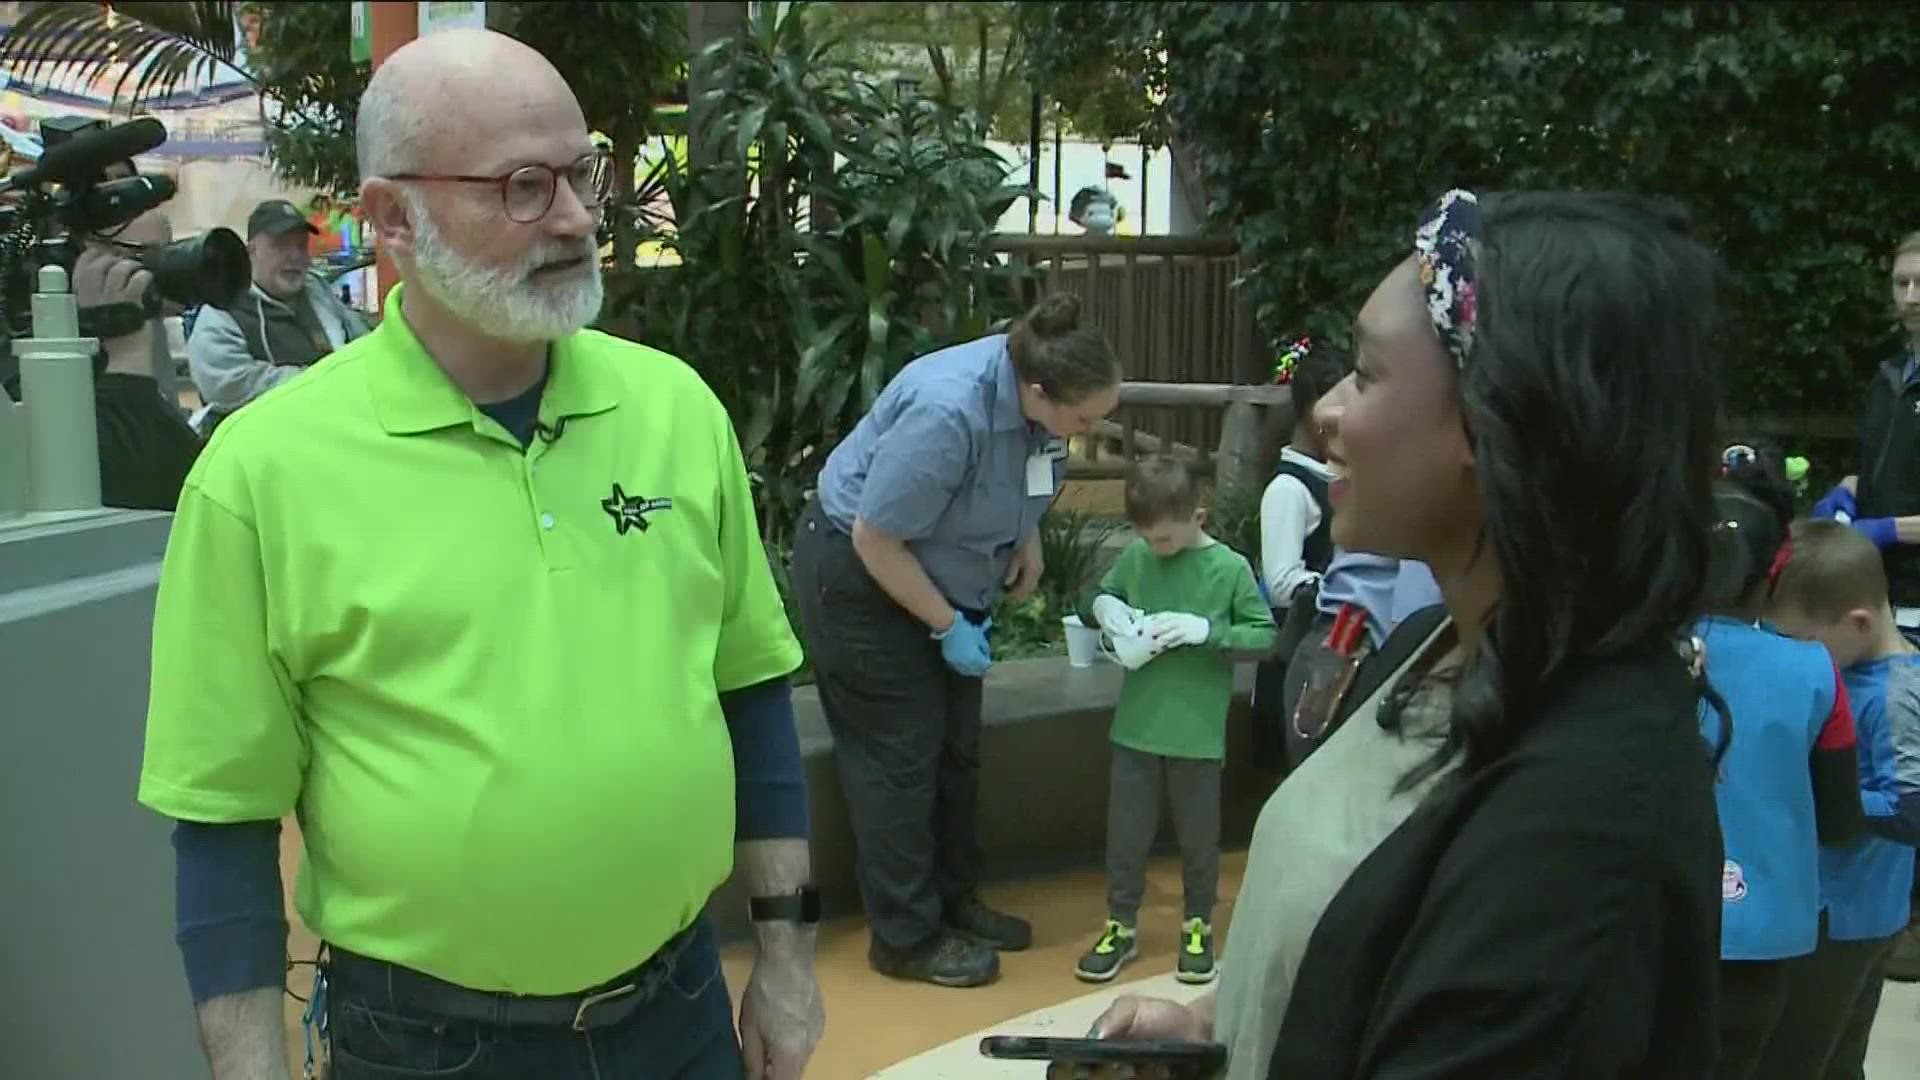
1074, 549
1098, 66
803, 284
309, 87
1235, 522
300, 64
1366, 111
971, 57
163, 46
1073, 546
912, 208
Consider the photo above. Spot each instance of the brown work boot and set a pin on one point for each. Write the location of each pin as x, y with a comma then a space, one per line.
945, 959
1903, 963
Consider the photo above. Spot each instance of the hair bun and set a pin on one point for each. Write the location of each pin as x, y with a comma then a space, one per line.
1054, 315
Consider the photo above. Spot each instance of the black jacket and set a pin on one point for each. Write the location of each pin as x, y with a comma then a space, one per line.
1555, 914
146, 446
1890, 467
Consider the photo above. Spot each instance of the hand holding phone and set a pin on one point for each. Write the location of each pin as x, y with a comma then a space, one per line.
1111, 1059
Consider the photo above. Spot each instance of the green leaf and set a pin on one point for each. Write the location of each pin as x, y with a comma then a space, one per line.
759, 425
157, 47
748, 129
875, 263
822, 254
816, 360
897, 226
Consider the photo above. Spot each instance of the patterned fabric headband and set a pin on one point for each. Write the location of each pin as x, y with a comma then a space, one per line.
1447, 247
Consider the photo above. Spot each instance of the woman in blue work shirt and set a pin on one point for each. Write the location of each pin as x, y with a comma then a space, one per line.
925, 514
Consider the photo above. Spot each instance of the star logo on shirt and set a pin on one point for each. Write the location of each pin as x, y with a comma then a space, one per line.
630, 511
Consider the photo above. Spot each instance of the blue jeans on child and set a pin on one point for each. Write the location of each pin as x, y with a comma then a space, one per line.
676, 1023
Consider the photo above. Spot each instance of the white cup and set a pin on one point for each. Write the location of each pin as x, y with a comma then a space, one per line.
1083, 642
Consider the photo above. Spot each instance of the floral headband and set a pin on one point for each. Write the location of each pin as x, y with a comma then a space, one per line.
1289, 361
1447, 248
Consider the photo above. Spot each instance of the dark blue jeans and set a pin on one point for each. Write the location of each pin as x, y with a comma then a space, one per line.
682, 1030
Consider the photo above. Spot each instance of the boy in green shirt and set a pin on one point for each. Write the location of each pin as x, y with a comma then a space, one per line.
1197, 601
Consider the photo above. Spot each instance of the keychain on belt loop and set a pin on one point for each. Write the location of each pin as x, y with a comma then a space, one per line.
1330, 676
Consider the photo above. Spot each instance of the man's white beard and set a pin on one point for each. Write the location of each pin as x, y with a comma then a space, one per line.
506, 304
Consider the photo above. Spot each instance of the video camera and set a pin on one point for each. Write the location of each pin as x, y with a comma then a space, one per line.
50, 210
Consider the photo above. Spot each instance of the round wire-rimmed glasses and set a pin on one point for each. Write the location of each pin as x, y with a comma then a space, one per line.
527, 192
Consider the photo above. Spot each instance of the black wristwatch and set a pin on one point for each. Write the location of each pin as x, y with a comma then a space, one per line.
800, 906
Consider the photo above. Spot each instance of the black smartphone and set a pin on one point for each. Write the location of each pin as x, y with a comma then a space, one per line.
1189, 1055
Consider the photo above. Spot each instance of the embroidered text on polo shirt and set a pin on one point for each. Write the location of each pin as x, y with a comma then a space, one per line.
630, 511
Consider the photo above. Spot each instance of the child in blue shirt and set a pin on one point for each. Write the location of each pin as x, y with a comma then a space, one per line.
1834, 590
1787, 780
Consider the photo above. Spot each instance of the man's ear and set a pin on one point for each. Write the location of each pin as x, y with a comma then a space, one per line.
388, 213
1861, 620
1200, 518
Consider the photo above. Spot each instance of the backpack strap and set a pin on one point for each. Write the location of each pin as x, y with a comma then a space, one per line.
1379, 666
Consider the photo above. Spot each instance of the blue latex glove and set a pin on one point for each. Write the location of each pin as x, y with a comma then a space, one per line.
1882, 531
964, 646
1837, 504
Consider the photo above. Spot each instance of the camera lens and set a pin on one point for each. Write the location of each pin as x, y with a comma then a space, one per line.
211, 268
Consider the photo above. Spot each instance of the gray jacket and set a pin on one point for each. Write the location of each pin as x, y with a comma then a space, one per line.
242, 350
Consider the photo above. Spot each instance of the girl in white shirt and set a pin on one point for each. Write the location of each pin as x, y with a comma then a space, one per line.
1296, 535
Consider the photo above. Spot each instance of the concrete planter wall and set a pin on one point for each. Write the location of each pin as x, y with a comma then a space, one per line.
1044, 742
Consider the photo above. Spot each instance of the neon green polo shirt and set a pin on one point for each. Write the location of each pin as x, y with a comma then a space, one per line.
486, 679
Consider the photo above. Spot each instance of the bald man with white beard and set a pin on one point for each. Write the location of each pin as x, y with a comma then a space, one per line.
481, 598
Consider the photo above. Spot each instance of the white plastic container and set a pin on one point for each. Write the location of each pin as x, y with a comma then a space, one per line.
1083, 642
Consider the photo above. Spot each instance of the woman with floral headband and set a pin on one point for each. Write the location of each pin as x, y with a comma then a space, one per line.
1506, 861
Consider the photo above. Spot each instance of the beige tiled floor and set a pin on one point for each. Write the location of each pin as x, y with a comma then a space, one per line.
886, 1030
1894, 1053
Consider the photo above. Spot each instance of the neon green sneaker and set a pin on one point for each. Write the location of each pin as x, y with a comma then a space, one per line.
1117, 945
1196, 953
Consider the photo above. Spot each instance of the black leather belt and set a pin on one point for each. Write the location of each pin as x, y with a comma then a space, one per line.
380, 984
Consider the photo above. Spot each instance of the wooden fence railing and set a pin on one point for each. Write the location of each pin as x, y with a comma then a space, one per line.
1251, 420
1165, 302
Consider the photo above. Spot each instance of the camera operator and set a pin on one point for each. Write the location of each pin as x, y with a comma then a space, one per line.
146, 445
274, 329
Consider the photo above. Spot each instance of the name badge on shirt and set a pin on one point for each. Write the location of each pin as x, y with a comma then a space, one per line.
1039, 474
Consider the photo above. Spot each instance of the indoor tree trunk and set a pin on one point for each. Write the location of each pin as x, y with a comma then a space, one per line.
626, 234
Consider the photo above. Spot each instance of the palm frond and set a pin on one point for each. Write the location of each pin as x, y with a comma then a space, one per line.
162, 46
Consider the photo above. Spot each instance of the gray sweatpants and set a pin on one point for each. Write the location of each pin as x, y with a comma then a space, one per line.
1136, 787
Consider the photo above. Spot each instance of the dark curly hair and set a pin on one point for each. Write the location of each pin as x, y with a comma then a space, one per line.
1752, 509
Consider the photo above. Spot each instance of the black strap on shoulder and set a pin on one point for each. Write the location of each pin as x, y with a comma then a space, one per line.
1379, 666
